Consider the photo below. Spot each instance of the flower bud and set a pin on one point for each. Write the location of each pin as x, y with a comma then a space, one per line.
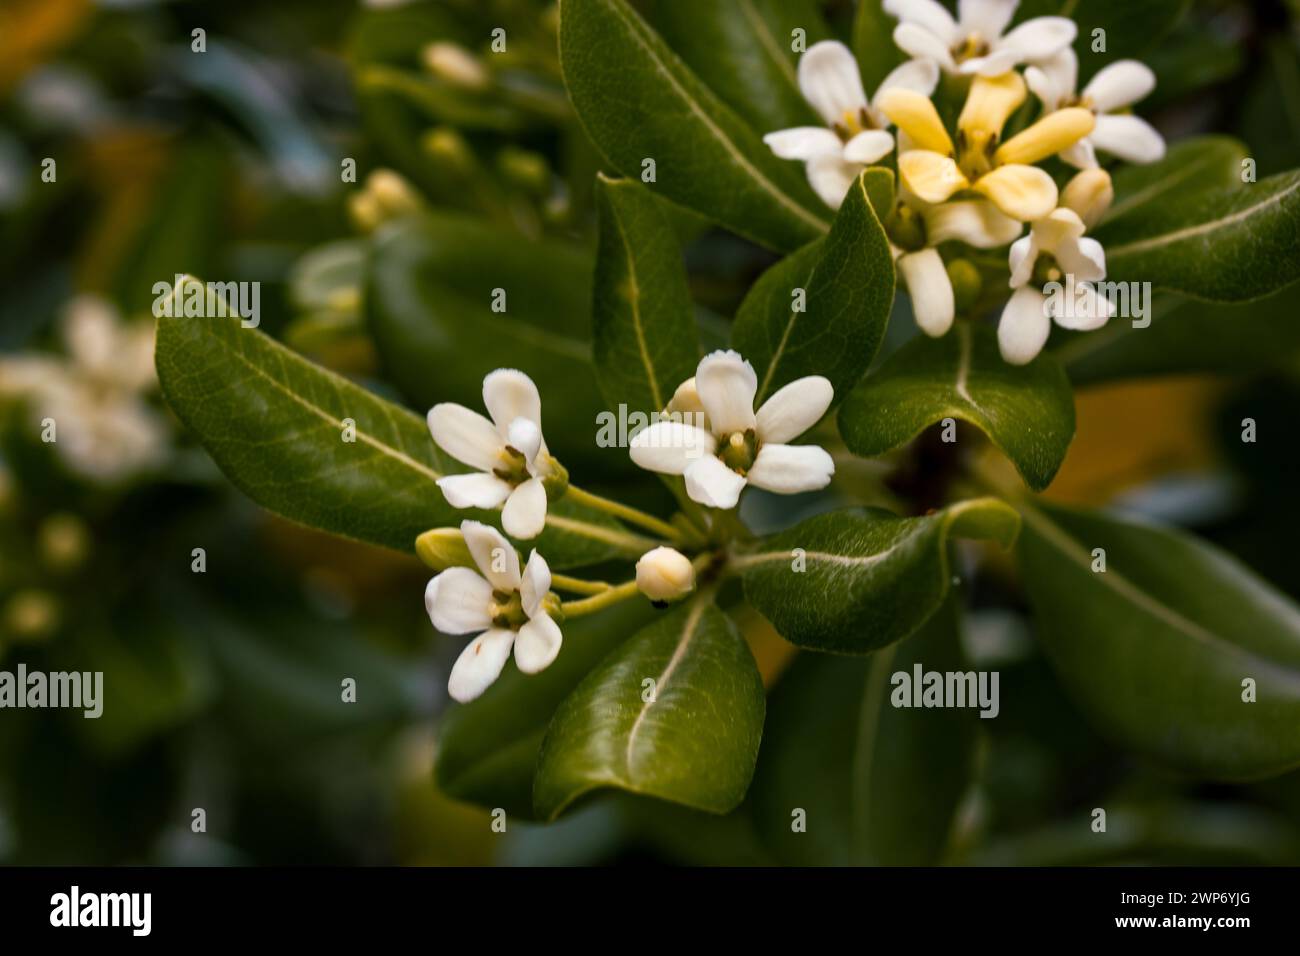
456, 65
1090, 194
64, 541
443, 548
31, 615
395, 196
665, 575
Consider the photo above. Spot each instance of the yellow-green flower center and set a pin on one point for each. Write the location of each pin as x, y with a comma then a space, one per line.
739, 450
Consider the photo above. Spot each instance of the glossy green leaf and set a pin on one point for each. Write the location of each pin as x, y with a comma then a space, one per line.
275, 423
1226, 245
638, 101
1187, 336
433, 285
1192, 166
1027, 411
1158, 647
487, 749
742, 50
643, 320
858, 580
877, 784
1129, 29
823, 310
873, 43
690, 737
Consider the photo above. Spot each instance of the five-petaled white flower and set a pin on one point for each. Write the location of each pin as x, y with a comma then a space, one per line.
858, 131
502, 606
737, 446
1055, 251
508, 451
1115, 87
974, 42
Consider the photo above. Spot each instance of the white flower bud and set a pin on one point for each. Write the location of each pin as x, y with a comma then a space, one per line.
665, 575
1089, 194
456, 65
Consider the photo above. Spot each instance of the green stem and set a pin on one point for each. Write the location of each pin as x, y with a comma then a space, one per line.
626, 513
599, 602
578, 585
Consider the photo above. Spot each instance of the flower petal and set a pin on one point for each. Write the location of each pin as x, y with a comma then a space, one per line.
1022, 258
916, 41
536, 583
992, 99
1081, 155
1118, 85
727, 385
803, 142
476, 490
458, 601
915, 115
1084, 259
1050, 135
1040, 38
1058, 231
1088, 311
479, 664
919, 76
830, 177
868, 147
670, 447
1130, 138
524, 514
713, 484
930, 289
1022, 192
1054, 80
930, 177
1090, 194
494, 555
988, 18
928, 14
829, 80
524, 437
794, 409
538, 644
1024, 327
997, 63
465, 435
509, 394
976, 222
791, 469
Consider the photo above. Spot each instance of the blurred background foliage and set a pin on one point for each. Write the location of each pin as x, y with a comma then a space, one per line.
223, 687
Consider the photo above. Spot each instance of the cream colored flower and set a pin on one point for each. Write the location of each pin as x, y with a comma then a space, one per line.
977, 41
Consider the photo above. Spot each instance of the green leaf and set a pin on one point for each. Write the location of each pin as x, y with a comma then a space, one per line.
1130, 29
644, 333
430, 304
857, 580
1226, 245
693, 742
823, 310
879, 784
638, 101
1187, 336
274, 423
1158, 646
742, 50
873, 43
1193, 166
1028, 411
487, 749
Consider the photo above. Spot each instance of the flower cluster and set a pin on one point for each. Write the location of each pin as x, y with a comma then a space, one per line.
974, 185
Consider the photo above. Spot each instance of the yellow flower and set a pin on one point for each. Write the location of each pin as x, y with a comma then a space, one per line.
935, 169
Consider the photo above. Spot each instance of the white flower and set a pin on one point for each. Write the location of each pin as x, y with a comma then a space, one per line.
974, 42
738, 447
1116, 87
665, 574
858, 132
508, 451
503, 607
976, 222
1053, 252
105, 430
